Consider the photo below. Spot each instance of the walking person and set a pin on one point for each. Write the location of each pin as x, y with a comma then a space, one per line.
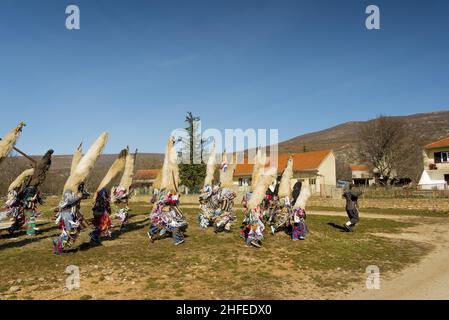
352, 208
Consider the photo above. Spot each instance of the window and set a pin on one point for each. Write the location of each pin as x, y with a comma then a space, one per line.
243, 182
312, 181
441, 157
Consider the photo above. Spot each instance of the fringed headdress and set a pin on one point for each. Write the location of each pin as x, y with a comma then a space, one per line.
9, 141
117, 167
86, 164
285, 185
21, 180
77, 155
260, 162
210, 170
41, 170
266, 178
304, 196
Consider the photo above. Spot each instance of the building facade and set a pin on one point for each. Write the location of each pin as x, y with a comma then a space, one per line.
361, 175
436, 166
316, 169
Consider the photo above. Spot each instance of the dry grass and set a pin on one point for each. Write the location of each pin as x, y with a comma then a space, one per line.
206, 266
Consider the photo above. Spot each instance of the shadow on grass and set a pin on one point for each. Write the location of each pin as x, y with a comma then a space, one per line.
133, 226
27, 239
337, 226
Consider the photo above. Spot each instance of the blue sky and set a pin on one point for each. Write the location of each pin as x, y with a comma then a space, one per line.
136, 67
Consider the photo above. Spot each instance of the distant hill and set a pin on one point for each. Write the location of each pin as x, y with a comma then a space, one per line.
343, 139
144, 161
60, 170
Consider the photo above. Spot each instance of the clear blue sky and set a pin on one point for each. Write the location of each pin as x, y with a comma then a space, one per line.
136, 67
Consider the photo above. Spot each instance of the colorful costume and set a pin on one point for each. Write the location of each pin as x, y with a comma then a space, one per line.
297, 224
13, 210
24, 196
167, 219
69, 216
253, 227
101, 220
69, 219
30, 200
217, 208
120, 201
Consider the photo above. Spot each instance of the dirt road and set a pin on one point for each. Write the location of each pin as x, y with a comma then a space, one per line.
429, 279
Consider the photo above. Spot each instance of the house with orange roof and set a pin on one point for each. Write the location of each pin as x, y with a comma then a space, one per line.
145, 178
436, 165
315, 168
361, 175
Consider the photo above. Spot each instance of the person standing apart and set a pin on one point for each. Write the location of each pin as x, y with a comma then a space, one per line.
352, 208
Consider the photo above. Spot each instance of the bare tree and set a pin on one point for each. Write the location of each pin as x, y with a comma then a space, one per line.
386, 143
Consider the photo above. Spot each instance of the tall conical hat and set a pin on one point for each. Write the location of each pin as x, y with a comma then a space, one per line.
20, 181
128, 174
86, 164
77, 155
210, 169
41, 170
304, 196
116, 168
266, 178
260, 162
170, 170
285, 185
9, 141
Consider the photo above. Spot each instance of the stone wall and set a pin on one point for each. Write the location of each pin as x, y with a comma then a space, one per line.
437, 204
430, 204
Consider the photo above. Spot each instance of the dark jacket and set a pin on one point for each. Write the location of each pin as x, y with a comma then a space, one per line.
351, 199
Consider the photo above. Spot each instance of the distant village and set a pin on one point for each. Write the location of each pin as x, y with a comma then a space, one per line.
317, 169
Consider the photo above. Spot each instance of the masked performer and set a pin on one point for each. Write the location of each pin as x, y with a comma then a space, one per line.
166, 218
253, 226
101, 209
101, 212
68, 219
280, 208
121, 193
216, 203
297, 222
13, 209
69, 216
24, 196
217, 208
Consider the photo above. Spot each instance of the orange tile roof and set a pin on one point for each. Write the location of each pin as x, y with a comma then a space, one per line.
301, 162
146, 174
359, 167
438, 144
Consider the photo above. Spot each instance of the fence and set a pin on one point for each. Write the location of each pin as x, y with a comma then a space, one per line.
401, 193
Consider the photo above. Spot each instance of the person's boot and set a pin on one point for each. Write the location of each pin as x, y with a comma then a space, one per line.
347, 227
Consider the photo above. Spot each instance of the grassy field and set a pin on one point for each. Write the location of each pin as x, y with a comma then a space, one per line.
392, 211
206, 266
